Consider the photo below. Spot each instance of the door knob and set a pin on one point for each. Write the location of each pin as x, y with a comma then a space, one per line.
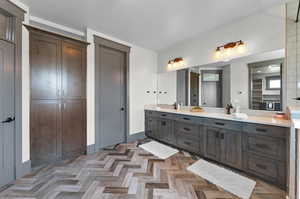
122, 109
8, 120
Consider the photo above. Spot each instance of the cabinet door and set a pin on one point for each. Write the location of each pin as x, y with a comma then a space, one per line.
45, 123
165, 131
231, 148
45, 64
151, 127
73, 70
212, 143
202, 138
74, 128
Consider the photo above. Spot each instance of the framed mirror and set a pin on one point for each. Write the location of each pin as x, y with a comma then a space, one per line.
265, 85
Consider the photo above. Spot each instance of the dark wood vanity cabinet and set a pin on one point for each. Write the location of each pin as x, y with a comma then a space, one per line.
231, 148
165, 130
159, 127
223, 145
151, 127
259, 150
212, 143
188, 136
58, 97
265, 152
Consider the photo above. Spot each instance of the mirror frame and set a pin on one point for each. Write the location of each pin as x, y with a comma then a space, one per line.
260, 64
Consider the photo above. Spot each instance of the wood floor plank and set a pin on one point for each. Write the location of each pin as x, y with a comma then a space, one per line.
124, 171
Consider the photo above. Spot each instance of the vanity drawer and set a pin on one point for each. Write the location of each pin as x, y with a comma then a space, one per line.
186, 130
188, 119
267, 130
188, 144
268, 169
151, 113
165, 115
224, 124
274, 148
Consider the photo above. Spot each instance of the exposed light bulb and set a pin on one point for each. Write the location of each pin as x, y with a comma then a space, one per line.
218, 53
228, 52
241, 47
170, 64
181, 63
175, 64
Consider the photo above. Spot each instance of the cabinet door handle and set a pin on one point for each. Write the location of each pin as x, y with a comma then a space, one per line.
263, 146
185, 118
163, 115
219, 123
163, 123
261, 130
217, 135
187, 129
261, 166
222, 136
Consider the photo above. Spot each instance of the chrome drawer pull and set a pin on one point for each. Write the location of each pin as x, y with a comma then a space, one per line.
185, 118
261, 130
263, 146
187, 129
219, 123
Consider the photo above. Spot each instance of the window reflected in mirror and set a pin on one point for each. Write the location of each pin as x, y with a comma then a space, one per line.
265, 81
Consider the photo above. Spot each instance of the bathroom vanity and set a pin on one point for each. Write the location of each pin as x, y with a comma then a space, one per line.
257, 145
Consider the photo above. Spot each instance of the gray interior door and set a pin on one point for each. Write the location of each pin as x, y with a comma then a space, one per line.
110, 99
7, 124
211, 93
182, 87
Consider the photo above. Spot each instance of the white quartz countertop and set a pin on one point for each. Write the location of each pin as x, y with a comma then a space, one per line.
267, 120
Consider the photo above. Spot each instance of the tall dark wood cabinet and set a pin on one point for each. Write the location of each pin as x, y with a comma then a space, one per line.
58, 97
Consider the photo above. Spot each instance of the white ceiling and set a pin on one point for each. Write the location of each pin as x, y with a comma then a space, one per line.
153, 24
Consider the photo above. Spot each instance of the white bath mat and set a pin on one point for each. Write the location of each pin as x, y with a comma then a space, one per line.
160, 150
226, 179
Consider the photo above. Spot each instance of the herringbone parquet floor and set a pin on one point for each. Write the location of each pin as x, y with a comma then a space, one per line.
125, 172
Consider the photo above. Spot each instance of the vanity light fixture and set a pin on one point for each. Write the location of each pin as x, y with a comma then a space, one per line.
230, 49
175, 63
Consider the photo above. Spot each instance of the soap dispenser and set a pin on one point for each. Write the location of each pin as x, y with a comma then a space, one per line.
178, 106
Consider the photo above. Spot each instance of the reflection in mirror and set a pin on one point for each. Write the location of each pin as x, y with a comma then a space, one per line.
265, 80
210, 87
207, 86
250, 82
